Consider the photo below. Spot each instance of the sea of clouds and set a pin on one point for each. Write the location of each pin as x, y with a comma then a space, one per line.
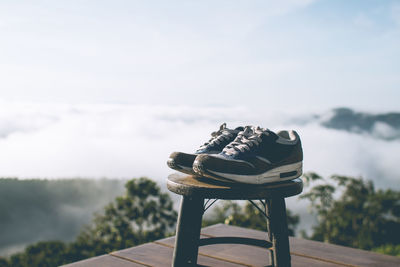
126, 141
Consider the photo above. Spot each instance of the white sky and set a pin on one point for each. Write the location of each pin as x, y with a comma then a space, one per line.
279, 54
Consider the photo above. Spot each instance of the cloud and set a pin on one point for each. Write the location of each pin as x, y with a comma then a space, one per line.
138, 51
134, 140
384, 131
24, 118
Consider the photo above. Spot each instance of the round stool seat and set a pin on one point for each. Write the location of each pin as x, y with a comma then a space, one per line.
188, 185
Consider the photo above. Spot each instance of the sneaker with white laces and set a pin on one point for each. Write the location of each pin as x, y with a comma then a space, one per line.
183, 161
257, 158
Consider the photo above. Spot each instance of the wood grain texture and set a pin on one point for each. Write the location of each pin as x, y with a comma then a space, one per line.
304, 253
188, 185
335, 253
104, 261
152, 254
313, 250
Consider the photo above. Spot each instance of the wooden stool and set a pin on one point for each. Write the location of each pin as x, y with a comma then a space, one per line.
195, 189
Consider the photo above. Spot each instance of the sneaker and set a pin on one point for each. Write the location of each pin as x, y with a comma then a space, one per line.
183, 162
257, 158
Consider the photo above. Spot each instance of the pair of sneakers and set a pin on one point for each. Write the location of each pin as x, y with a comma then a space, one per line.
250, 155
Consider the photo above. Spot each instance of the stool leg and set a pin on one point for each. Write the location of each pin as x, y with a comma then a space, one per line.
188, 232
270, 237
280, 232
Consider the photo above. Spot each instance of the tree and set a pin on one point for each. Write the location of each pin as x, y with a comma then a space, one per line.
247, 216
360, 217
144, 214
46, 254
387, 249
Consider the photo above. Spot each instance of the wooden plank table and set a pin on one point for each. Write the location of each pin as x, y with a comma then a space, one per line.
303, 253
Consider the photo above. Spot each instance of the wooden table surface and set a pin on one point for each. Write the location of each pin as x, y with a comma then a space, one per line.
303, 253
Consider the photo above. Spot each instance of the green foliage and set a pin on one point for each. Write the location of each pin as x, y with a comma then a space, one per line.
361, 217
248, 216
46, 254
142, 215
387, 249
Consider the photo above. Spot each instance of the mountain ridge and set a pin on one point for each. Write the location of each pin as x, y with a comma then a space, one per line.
384, 126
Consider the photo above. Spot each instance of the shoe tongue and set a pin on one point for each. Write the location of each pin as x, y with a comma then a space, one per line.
259, 130
263, 131
270, 133
221, 129
248, 130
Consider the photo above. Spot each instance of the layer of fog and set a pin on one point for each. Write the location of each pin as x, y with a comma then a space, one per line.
42, 210
125, 141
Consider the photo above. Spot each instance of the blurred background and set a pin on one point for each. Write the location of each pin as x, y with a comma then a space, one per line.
93, 93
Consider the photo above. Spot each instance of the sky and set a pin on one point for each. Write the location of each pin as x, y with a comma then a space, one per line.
292, 54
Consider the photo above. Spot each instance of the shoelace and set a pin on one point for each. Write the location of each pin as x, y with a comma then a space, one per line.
245, 140
217, 137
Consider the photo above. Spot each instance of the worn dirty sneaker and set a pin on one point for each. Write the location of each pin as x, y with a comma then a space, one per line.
258, 158
183, 161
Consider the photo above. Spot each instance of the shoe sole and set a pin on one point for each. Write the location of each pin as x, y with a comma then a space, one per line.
200, 171
278, 174
172, 164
